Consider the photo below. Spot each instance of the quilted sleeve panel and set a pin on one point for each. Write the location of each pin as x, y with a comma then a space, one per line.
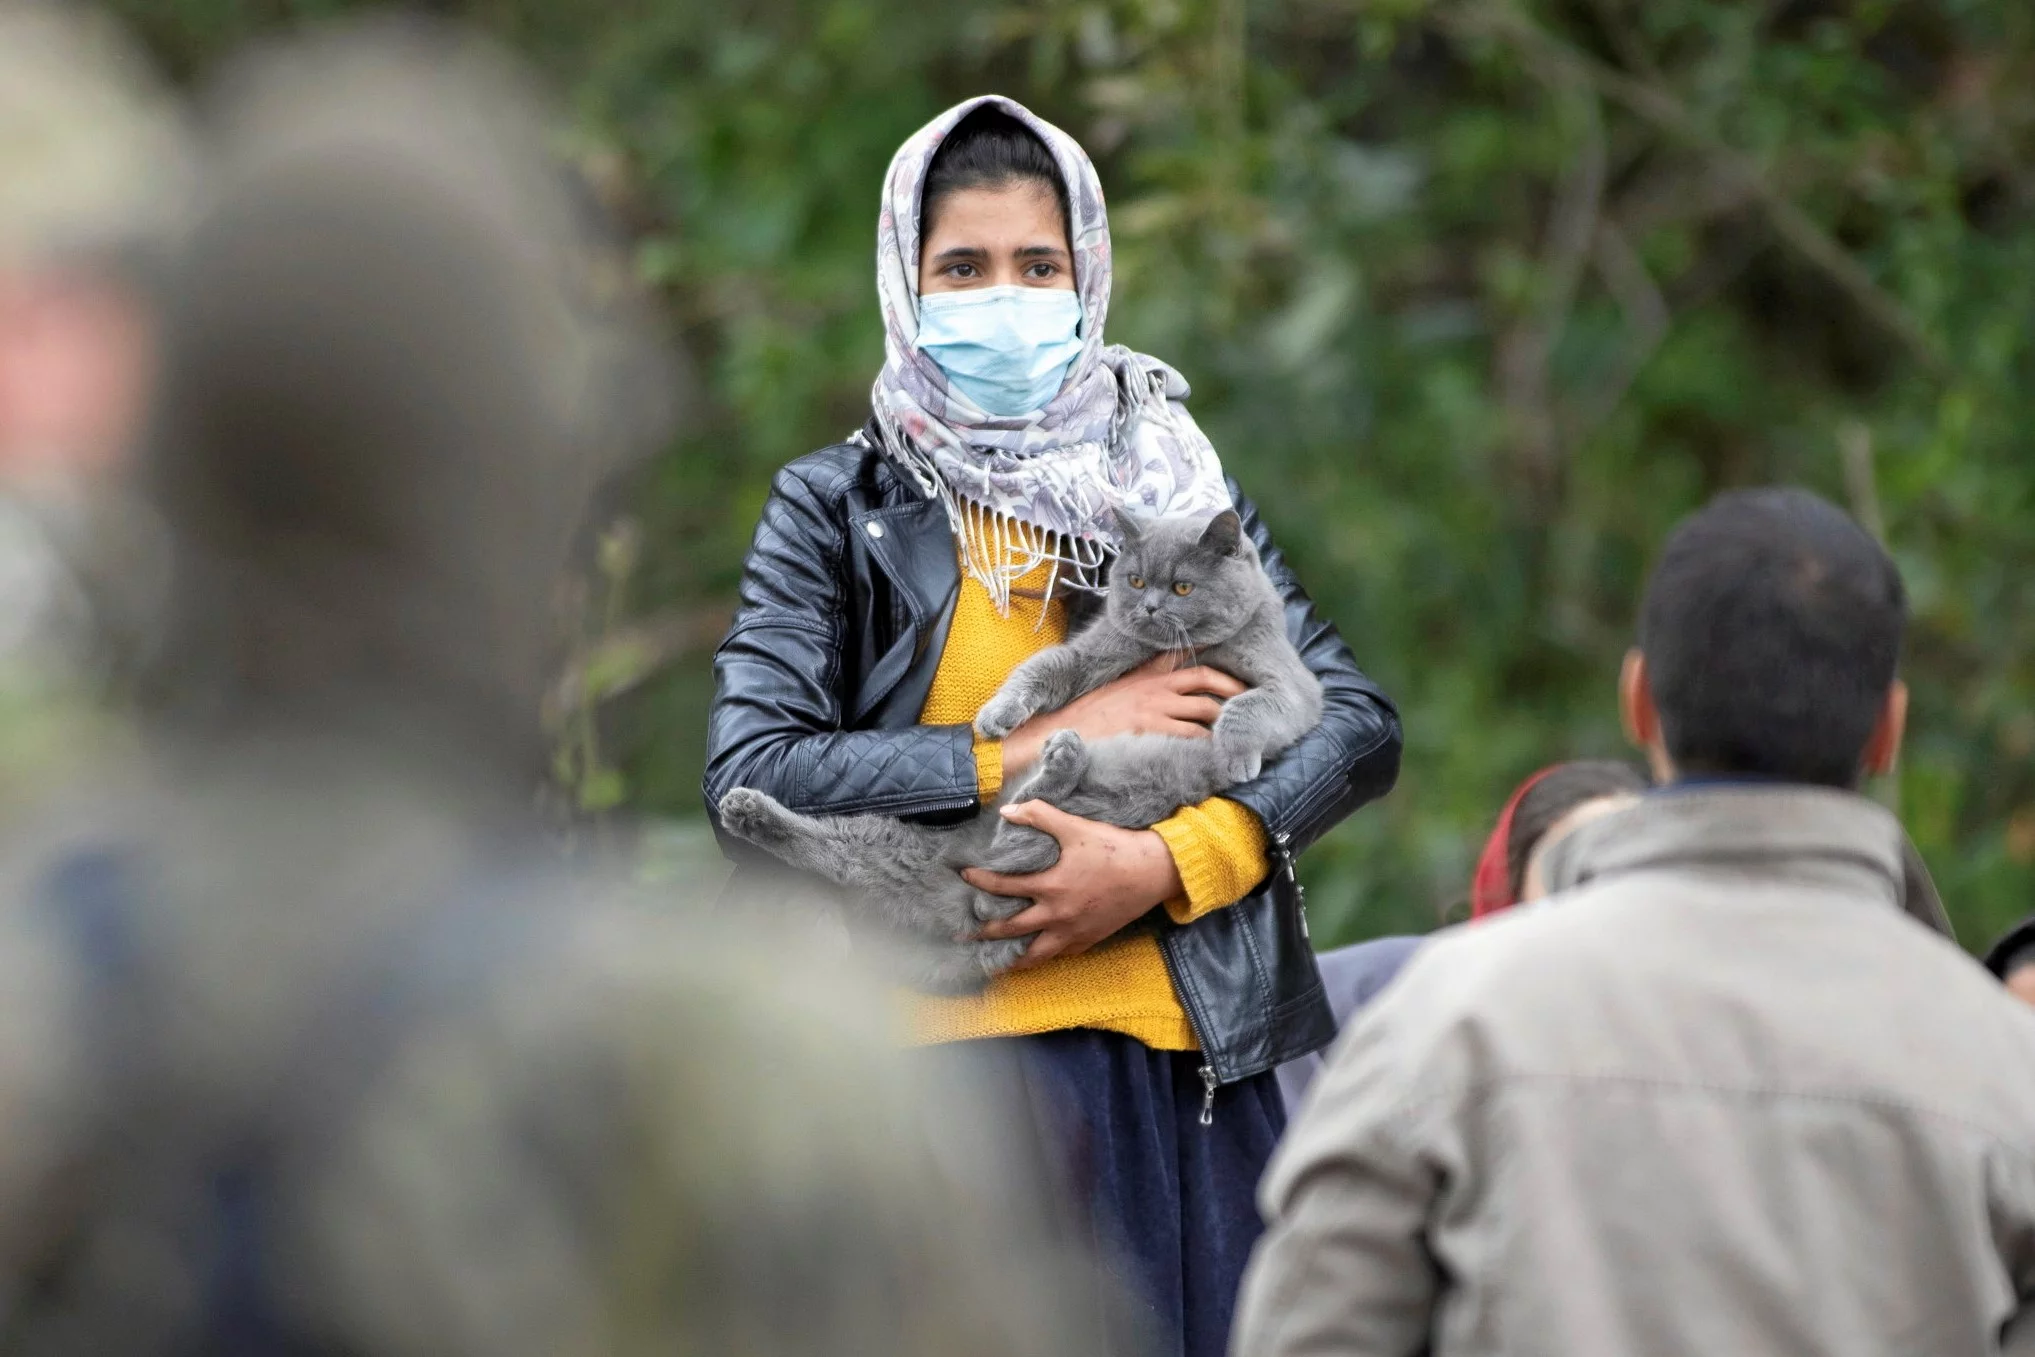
779, 695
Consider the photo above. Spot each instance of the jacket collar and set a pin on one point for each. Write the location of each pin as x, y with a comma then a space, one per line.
912, 545
1777, 831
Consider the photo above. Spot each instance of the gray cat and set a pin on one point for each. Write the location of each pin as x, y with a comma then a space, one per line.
1177, 587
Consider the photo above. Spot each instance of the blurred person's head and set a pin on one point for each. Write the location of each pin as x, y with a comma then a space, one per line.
94, 166
387, 397
1548, 806
1768, 641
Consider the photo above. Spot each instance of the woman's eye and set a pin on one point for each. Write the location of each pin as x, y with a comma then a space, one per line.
1137, 581
1182, 588
1041, 271
961, 270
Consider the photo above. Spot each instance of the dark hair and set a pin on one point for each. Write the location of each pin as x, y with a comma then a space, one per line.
2015, 949
1560, 790
988, 149
1771, 627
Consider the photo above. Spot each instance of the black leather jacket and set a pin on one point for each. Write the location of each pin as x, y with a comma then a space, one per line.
846, 598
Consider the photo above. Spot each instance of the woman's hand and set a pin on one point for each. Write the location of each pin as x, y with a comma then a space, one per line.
1153, 699
1105, 878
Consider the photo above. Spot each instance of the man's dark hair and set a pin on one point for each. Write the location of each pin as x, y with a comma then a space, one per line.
1557, 792
988, 149
1771, 627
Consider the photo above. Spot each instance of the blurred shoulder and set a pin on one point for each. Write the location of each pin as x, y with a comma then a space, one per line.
1497, 946
1498, 971
1355, 974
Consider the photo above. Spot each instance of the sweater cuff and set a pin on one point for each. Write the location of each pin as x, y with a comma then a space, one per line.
988, 768
1219, 848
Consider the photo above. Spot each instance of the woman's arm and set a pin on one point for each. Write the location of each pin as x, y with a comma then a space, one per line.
775, 723
1352, 757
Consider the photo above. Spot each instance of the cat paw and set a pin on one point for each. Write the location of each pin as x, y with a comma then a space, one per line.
989, 908
994, 958
1002, 714
951, 971
749, 814
1063, 752
1242, 765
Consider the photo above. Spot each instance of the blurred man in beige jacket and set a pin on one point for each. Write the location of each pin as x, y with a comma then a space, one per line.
1719, 1095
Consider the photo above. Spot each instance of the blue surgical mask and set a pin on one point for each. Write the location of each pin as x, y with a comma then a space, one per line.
1005, 348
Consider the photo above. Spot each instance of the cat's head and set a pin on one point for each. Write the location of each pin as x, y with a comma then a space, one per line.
1182, 582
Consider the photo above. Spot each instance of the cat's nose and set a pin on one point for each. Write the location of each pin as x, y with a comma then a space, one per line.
1151, 610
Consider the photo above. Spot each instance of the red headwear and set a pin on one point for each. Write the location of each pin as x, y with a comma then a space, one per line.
1491, 887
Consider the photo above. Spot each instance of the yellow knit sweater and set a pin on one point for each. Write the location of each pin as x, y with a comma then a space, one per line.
1120, 985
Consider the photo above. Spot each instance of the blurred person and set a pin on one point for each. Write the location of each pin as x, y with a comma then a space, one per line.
306, 1044
95, 166
1724, 1095
1543, 810
895, 581
1548, 805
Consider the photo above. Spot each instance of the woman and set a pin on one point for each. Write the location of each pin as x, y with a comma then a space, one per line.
1544, 809
1553, 803
895, 581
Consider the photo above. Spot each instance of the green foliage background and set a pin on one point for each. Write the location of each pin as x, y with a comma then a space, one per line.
1477, 297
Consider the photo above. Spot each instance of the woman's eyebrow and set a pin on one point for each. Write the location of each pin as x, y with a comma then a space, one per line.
1042, 251
961, 252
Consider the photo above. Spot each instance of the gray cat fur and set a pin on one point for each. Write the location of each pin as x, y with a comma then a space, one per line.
906, 875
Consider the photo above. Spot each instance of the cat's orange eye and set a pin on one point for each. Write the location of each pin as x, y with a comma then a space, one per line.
1137, 581
1182, 588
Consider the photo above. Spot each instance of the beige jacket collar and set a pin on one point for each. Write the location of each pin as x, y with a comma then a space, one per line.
1779, 831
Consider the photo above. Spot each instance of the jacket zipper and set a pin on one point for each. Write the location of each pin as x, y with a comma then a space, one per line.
1209, 1083
1284, 843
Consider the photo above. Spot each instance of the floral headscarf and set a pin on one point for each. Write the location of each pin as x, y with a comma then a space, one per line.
1041, 487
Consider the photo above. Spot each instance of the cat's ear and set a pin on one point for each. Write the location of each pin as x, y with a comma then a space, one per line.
1127, 526
1224, 534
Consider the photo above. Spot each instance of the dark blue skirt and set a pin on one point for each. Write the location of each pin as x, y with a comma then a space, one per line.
1169, 1202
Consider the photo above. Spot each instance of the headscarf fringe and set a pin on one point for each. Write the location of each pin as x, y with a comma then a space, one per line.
998, 548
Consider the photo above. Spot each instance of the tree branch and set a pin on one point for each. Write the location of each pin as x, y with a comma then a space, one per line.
1631, 51
1646, 315
1854, 446
630, 654
1656, 105
1526, 351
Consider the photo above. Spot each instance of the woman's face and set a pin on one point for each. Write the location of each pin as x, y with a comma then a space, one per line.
1008, 236
1533, 885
